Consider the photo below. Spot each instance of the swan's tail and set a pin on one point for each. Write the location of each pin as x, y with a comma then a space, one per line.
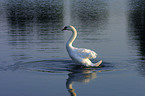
98, 63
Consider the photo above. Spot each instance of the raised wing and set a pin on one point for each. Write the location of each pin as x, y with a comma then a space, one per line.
85, 53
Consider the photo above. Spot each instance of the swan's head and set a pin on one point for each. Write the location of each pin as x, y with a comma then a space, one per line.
68, 28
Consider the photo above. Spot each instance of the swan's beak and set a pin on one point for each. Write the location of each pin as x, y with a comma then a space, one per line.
64, 28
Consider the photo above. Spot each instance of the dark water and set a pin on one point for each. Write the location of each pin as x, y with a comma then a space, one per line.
34, 61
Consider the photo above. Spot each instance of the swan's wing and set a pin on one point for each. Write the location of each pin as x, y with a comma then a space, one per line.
85, 53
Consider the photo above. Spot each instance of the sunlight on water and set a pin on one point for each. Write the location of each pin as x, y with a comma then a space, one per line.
67, 12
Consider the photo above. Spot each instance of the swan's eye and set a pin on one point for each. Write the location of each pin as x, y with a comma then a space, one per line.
65, 27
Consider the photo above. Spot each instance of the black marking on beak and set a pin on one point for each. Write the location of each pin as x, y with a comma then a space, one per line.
64, 28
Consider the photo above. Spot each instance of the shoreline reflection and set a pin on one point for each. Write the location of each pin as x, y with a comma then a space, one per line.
137, 32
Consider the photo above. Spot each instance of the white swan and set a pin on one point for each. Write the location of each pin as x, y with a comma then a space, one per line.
79, 55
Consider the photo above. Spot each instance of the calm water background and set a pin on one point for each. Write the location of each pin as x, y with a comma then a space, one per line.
34, 61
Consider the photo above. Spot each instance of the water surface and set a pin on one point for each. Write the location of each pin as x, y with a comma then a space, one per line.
34, 61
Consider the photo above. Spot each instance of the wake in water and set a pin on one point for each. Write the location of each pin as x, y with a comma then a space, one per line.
51, 66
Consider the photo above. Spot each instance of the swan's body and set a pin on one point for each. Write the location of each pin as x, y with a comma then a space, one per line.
79, 55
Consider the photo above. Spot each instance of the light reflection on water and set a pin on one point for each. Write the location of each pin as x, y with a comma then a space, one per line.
31, 39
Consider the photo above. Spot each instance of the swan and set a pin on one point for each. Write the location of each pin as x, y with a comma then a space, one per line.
79, 55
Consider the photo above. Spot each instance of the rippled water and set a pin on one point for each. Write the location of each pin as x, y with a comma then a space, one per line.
34, 61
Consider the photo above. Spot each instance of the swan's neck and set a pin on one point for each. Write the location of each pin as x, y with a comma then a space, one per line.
72, 38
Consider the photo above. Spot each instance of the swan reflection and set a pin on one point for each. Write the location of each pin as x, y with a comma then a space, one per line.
83, 75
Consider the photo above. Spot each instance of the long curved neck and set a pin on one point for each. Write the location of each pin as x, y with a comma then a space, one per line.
72, 38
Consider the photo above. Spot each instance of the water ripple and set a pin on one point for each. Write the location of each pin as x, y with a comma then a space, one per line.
54, 66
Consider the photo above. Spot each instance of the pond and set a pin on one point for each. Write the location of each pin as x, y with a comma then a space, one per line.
34, 60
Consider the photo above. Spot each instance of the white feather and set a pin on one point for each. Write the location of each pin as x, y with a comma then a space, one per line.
85, 53
79, 55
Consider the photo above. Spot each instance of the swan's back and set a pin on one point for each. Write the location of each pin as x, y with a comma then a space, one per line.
84, 53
